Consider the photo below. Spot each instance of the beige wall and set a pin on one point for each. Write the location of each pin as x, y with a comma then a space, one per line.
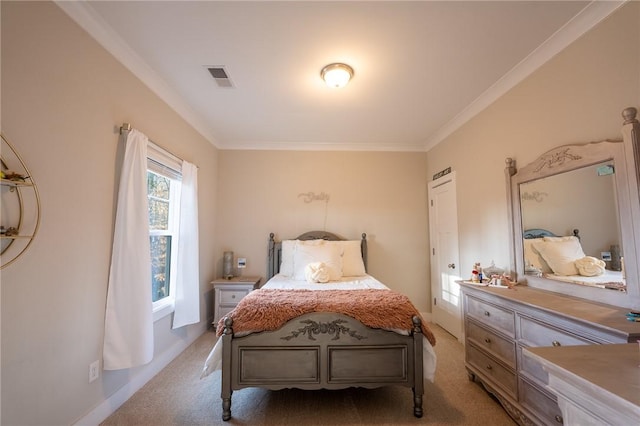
62, 98
382, 194
576, 97
63, 95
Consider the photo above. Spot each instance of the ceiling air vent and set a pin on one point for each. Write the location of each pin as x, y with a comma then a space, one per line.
220, 76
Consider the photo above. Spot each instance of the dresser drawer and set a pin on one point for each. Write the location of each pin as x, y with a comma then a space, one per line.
502, 348
534, 333
500, 375
532, 369
491, 315
541, 403
232, 297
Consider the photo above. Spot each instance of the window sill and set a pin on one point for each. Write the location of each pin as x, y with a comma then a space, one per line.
162, 309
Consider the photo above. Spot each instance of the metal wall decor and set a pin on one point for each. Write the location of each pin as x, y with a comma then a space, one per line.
20, 218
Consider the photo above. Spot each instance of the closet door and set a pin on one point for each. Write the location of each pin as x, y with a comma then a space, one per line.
446, 303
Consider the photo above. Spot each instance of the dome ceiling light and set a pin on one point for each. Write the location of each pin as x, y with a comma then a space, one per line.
337, 75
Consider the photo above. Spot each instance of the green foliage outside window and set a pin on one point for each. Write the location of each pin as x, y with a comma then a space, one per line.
159, 193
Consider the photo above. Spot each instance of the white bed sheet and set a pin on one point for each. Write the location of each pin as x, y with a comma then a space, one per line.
281, 282
609, 279
364, 282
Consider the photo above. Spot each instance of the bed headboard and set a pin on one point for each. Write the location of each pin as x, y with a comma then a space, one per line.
274, 254
530, 234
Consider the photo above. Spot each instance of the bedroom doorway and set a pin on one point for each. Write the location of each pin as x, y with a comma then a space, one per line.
446, 303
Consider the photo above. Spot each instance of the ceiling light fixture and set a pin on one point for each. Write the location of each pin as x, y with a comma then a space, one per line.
337, 75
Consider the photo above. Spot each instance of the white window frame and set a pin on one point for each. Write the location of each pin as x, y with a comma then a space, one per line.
164, 164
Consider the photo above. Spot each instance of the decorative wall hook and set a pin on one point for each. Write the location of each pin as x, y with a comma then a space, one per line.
312, 196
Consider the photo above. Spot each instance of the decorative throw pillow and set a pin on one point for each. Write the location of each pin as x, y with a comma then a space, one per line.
330, 255
316, 272
590, 266
561, 255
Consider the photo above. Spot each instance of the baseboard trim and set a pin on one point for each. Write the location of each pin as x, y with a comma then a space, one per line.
111, 404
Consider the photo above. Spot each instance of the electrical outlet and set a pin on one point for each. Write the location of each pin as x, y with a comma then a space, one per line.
94, 370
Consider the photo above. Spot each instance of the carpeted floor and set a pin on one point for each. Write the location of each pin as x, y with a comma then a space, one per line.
177, 396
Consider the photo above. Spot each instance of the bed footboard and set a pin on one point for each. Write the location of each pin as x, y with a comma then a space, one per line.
322, 351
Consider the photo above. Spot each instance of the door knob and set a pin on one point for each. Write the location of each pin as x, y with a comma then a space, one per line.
452, 266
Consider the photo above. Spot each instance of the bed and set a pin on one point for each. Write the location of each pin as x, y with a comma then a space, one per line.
561, 258
317, 328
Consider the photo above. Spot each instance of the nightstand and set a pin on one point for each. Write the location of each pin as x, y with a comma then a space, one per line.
229, 292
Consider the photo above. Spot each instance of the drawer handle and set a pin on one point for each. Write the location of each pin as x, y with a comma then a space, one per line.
488, 367
487, 313
233, 296
487, 340
559, 419
556, 343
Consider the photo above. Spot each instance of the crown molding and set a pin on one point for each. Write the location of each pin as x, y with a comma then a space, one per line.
86, 17
589, 17
321, 146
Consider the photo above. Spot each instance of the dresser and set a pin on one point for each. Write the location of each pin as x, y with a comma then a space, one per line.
596, 385
500, 322
229, 292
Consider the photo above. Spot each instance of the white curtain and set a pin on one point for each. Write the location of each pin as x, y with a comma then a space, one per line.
128, 334
187, 301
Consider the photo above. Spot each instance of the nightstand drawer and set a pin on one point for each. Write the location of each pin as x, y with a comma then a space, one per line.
232, 297
229, 292
224, 310
491, 342
534, 333
491, 316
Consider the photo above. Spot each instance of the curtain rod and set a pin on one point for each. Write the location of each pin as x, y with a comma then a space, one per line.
126, 127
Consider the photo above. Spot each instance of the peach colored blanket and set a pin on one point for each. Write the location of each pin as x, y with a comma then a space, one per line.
268, 310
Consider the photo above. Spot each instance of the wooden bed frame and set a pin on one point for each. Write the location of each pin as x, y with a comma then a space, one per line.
322, 350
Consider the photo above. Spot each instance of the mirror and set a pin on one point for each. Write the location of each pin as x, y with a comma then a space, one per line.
573, 212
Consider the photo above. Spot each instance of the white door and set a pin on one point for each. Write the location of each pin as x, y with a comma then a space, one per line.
446, 302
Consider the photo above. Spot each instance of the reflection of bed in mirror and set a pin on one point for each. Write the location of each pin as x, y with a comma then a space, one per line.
592, 187
560, 257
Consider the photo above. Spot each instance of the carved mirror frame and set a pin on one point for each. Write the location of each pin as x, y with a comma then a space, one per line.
626, 157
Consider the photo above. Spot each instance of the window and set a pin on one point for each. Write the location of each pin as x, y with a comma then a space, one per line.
163, 192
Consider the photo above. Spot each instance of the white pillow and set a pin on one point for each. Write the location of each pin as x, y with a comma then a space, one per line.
329, 254
561, 254
352, 263
286, 257
288, 247
533, 258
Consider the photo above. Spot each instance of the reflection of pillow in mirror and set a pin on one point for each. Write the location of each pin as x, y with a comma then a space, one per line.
532, 257
328, 254
561, 255
590, 266
565, 238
